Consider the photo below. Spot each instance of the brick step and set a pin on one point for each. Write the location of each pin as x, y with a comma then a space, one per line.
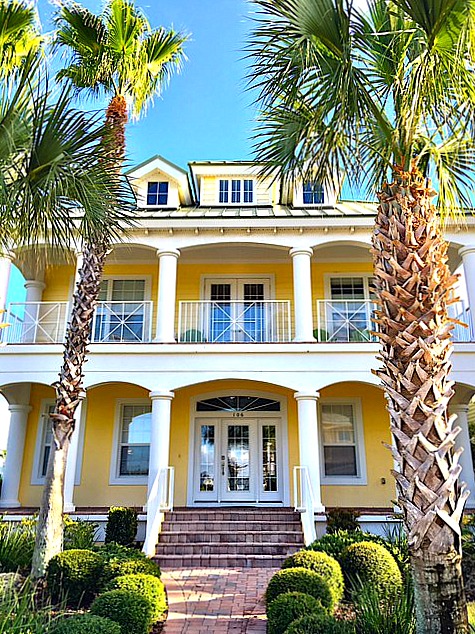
239, 537
281, 549
219, 561
170, 525
235, 514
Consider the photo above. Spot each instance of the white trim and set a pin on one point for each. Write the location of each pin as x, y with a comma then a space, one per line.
361, 478
284, 482
114, 477
230, 178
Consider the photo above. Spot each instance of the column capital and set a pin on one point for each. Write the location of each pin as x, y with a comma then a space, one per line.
162, 395
15, 407
307, 396
35, 284
300, 251
467, 250
456, 408
171, 252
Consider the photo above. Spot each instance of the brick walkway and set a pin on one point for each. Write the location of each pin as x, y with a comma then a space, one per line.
209, 600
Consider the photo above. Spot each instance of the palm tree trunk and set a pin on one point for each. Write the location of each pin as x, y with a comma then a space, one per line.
414, 289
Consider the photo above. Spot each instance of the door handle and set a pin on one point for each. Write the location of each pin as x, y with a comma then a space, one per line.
222, 464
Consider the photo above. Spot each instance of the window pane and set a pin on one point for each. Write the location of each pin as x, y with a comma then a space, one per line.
134, 460
47, 439
269, 458
236, 191
207, 458
136, 424
128, 290
347, 288
162, 198
223, 191
339, 439
313, 194
248, 191
340, 461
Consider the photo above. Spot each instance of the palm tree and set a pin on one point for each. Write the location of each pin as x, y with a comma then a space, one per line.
389, 95
116, 53
19, 34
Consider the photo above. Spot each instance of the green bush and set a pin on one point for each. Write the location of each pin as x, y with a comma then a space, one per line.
367, 563
393, 615
300, 580
120, 560
321, 563
16, 546
287, 607
342, 519
130, 610
86, 624
75, 575
146, 585
121, 525
320, 624
79, 534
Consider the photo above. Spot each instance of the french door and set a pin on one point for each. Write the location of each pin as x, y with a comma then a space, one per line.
238, 460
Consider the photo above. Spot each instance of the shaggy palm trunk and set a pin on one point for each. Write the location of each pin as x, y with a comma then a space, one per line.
414, 288
69, 388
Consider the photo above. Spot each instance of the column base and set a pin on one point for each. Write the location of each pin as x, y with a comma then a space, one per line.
304, 340
9, 504
319, 509
163, 340
68, 507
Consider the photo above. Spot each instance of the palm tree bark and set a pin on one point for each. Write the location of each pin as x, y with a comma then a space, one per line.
414, 289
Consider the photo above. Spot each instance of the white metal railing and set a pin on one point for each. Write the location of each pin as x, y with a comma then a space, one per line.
121, 322
232, 322
35, 322
344, 321
160, 499
462, 333
304, 502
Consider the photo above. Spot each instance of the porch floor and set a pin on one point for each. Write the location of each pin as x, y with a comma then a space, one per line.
221, 601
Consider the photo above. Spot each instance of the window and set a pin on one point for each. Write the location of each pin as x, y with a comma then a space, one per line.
46, 440
342, 442
242, 191
313, 194
134, 440
122, 313
157, 193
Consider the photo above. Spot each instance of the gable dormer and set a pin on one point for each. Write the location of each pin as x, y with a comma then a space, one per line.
158, 183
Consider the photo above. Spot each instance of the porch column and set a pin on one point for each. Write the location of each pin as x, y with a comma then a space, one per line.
463, 440
303, 310
71, 464
5, 268
468, 261
160, 433
166, 299
34, 293
309, 442
15, 448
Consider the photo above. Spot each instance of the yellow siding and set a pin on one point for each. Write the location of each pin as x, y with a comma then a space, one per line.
59, 282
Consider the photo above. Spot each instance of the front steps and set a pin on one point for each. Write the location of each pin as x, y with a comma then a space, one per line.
228, 538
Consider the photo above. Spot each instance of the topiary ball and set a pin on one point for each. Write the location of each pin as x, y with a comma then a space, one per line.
320, 624
86, 624
324, 565
130, 610
147, 586
369, 563
120, 560
287, 607
74, 574
300, 580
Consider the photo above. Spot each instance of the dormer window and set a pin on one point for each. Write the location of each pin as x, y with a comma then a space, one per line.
313, 194
236, 191
157, 193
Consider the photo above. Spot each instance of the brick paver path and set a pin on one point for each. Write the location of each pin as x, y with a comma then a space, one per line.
224, 601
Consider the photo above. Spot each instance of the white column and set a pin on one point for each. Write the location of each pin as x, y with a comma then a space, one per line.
34, 293
5, 268
303, 309
34, 290
463, 440
166, 296
15, 448
71, 464
468, 261
309, 442
160, 433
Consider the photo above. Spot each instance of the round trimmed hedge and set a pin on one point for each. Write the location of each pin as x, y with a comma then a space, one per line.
324, 565
147, 586
366, 563
86, 624
121, 560
130, 610
76, 574
320, 624
300, 580
287, 607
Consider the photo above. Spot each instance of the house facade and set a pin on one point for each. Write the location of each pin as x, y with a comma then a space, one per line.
231, 356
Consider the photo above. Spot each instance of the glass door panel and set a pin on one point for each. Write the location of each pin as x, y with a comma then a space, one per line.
221, 313
206, 477
238, 459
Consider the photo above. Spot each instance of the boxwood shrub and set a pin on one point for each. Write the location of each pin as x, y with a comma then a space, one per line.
121, 560
287, 607
367, 563
121, 526
130, 610
320, 624
300, 580
146, 585
75, 575
321, 563
86, 624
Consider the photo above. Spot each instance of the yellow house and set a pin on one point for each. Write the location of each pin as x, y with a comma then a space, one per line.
231, 355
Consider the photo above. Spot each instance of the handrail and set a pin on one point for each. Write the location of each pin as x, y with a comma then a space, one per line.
36, 322
160, 499
304, 502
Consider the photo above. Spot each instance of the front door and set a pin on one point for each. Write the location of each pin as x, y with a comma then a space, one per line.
238, 460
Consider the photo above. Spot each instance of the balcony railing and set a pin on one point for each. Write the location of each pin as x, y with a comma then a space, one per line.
234, 322
122, 322
35, 322
462, 333
344, 321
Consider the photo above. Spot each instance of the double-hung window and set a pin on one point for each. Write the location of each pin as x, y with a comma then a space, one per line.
157, 193
121, 314
236, 191
134, 439
46, 442
313, 194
